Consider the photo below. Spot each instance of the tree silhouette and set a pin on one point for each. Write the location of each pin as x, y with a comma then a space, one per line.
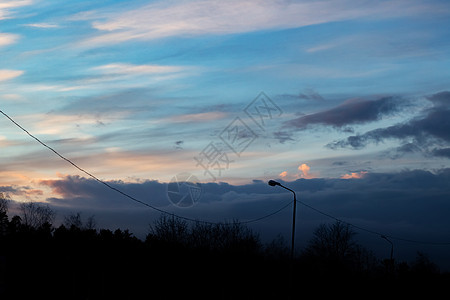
332, 241
423, 266
3, 213
277, 248
333, 250
182, 259
169, 229
36, 215
226, 237
74, 220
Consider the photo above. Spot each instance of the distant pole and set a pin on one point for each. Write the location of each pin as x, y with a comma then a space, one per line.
293, 221
392, 246
274, 183
391, 261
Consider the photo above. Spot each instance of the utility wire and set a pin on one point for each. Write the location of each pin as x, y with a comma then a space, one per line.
269, 215
372, 231
207, 222
128, 195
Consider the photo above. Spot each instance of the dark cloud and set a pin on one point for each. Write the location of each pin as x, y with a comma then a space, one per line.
179, 145
308, 94
440, 99
26, 191
443, 152
283, 136
422, 133
11, 189
411, 204
349, 113
331, 194
81, 193
339, 163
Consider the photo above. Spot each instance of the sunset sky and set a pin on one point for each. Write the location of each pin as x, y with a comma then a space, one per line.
348, 102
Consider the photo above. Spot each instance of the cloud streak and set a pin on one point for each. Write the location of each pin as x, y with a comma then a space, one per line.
9, 74
129, 69
422, 133
7, 7
194, 18
8, 39
42, 25
350, 112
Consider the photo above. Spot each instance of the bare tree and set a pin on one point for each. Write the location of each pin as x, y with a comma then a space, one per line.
170, 229
4, 203
74, 220
91, 224
423, 265
207, 236
277, 248
234, 236
333, 248
332, 241
36, 215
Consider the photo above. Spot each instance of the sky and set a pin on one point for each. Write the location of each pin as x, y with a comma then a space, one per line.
345, 102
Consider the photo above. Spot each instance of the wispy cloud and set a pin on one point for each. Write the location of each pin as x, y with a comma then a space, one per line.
9, 74
6, 7
123, 76
200, 117
11, 97
130, 69
8, 39
42, 25
56, 124
193, 18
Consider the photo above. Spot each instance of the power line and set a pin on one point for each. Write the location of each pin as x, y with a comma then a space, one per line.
125, 194
372, 231
208, 222
269, 215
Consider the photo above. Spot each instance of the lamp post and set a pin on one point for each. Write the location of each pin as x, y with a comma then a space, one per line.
275, 183
391, 261
392, 245
291, 273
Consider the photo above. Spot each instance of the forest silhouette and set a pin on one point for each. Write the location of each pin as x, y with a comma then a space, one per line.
180, 259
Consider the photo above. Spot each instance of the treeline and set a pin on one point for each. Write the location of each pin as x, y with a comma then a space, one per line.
76, 260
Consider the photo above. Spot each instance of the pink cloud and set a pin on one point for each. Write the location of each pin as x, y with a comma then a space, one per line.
356, 175
305, 172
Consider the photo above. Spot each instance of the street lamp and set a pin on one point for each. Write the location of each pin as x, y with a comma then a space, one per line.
391, 261
392, 245
275, 183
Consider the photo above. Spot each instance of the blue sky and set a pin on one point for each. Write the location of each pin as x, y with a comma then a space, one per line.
134, 91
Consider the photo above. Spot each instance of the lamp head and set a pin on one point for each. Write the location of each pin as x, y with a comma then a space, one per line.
273, 183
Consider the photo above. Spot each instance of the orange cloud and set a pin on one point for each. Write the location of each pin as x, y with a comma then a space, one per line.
354, 175
283, 174
304, 168
304, 172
